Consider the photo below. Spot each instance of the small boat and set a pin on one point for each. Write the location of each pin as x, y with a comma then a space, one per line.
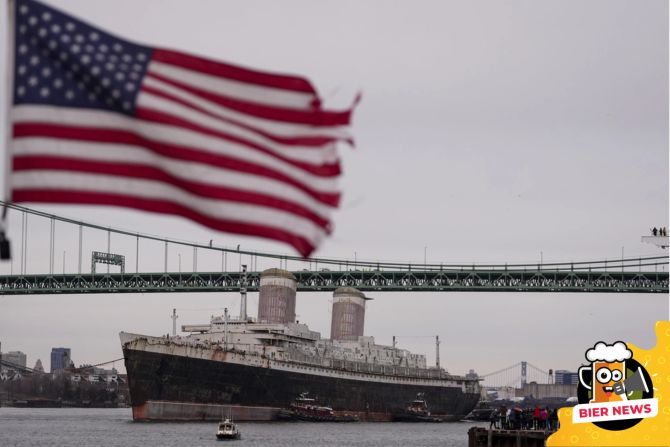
416, 411
228, 430
305, 408
481, 413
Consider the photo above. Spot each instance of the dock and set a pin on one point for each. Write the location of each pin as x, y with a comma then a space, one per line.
483, 437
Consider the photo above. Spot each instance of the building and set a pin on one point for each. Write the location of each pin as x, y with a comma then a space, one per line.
564, 377
546, 390
60, 358
17, 358
472, 375
93, 374
38, 366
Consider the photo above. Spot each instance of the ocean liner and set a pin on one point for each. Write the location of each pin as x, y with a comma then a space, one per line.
252, 368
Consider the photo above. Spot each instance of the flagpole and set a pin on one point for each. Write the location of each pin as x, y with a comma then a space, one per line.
9, 95
9, 91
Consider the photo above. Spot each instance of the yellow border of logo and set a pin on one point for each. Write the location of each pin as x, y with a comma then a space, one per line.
653, 431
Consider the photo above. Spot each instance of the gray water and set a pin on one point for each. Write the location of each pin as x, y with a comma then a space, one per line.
77, 427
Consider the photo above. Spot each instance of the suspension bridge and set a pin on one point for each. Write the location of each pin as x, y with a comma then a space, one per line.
626, 275
515, 376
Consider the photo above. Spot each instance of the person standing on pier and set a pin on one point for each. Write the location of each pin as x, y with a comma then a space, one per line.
502, 413
553, 419
493, 418
512, 419
544, 417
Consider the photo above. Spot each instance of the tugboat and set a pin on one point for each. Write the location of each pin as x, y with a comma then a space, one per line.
305, 408
228, 431
416, 411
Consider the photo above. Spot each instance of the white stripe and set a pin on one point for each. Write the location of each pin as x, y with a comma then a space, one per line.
169, 135
278, 128
152, 190
190, 171
310, 155
271, 96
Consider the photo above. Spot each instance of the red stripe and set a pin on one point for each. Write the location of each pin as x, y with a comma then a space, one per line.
26, 163
302, 245
167, 150
195, 63
314, 117
156, 116
311, 141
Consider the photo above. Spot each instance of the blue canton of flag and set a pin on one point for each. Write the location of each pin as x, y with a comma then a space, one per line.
65, 62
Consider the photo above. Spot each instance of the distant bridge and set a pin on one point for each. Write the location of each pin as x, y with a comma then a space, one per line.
515, 376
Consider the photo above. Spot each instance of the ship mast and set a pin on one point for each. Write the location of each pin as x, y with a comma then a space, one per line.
174, 321
437, 351
243, 294
225, 329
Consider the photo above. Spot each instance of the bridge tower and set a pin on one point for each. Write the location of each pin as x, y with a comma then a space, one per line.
524, 373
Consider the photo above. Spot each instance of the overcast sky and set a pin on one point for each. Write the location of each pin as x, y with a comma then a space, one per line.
488, 132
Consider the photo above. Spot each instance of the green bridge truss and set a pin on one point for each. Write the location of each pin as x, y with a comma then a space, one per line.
476, 280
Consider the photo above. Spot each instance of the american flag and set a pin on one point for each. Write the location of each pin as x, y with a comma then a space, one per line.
101, 120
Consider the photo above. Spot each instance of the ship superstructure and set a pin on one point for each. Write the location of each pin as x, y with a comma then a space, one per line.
252, 368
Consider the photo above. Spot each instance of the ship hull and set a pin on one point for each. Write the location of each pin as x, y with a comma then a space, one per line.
165, 386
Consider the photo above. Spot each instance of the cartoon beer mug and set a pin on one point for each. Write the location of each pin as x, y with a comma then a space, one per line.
607, 369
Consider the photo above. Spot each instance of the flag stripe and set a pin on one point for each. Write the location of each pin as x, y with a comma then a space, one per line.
316, 117
235, 89
326, 196
289, 135
164, 132
131, 170
322, 161
277, 128
183, 169
97, 125
301, 244
145, 189
220, 69
157, 116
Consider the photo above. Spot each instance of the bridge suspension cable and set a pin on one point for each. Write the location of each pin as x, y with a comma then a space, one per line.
516, 365
596, 265
538, 370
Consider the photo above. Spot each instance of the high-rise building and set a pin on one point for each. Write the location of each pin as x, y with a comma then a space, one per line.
18, 358
60, 358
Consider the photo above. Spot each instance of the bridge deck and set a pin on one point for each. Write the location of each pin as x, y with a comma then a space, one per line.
322, 281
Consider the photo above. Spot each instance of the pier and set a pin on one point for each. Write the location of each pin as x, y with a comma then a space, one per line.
483, 437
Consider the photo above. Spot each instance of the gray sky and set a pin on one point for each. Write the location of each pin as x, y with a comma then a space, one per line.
488, 132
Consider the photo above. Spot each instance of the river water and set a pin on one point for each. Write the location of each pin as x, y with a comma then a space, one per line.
77, 427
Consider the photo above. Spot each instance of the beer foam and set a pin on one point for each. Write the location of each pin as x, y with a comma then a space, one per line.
618, 352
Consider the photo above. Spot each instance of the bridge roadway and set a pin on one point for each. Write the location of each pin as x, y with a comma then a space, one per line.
476, 280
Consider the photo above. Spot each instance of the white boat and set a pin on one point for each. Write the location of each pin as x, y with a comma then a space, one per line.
228, 430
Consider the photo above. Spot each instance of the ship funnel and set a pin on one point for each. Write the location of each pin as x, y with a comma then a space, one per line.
276, 297
348, 314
